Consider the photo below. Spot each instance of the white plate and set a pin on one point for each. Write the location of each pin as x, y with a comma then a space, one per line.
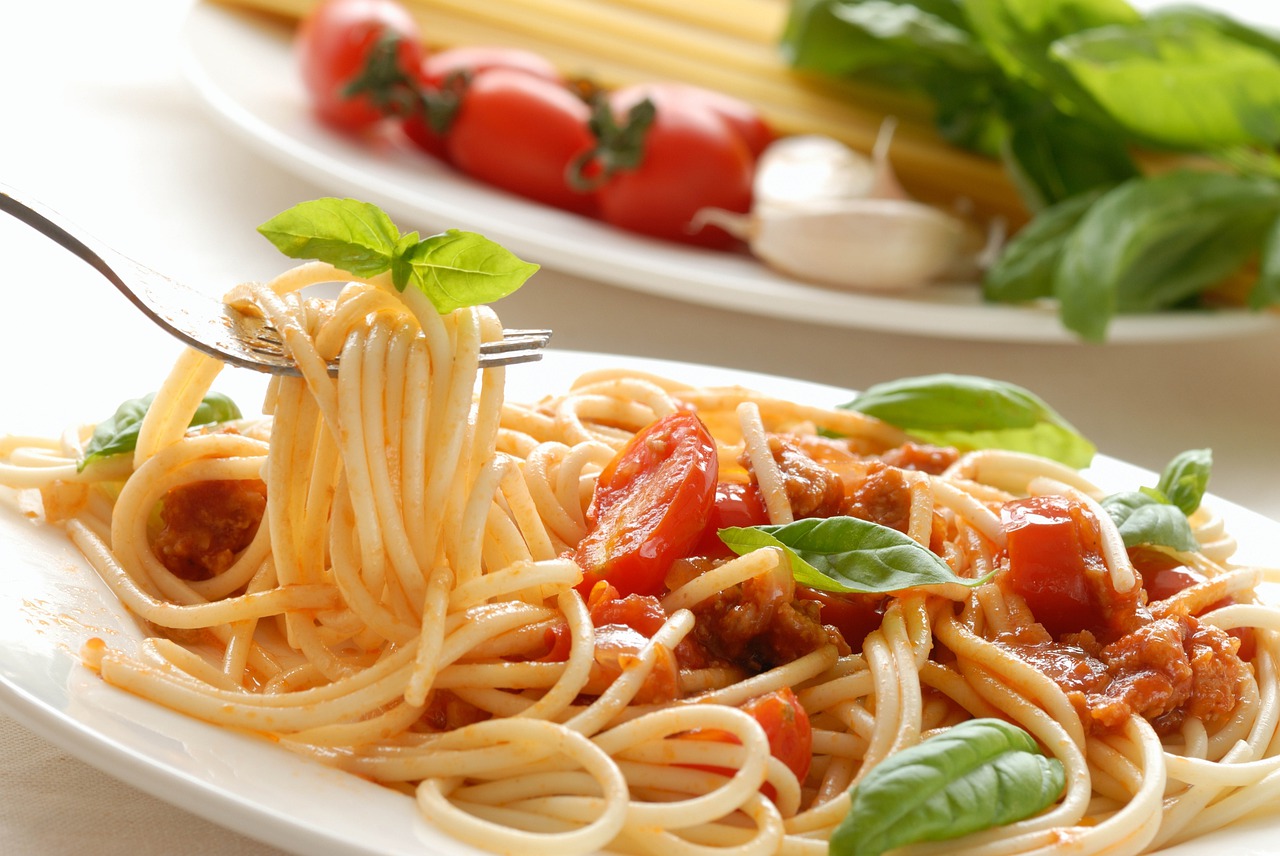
242, 66
51, 602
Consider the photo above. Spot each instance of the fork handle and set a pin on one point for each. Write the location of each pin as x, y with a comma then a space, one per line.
51, 224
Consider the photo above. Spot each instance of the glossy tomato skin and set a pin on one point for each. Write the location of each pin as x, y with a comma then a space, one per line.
736, 504
786, 724
1053, 546
741, 117
447, 74
334, 42
520, 133
787, 727
691, 159
650, 506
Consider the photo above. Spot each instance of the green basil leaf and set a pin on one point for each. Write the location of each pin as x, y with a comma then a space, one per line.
1185, 479
1178, 82
975, 413
1224, 24
1144, 519
1018, 35
975, 775
1266, 291
845, 554
1026, 268
215, 407
350, 235
1053, 157
119, 434
1152, 243
454, 269
460, 269
891, 42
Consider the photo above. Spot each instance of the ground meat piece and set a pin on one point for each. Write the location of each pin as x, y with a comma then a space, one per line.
1165, 671
883, 497
933, 460
812, 489
755, 626
206, 524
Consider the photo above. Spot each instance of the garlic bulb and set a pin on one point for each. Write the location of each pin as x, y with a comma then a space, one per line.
825, 213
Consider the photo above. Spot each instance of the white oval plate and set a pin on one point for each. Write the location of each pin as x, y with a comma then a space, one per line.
242, 67
51, 602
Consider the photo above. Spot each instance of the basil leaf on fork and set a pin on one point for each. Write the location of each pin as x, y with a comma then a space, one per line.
453, 269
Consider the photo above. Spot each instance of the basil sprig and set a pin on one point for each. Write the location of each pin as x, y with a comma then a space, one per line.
119, 434
454, 269
846, 554
1061, 91
975, 413
976, 775
1157, 516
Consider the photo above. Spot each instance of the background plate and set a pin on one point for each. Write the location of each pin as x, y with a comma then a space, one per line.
242, 67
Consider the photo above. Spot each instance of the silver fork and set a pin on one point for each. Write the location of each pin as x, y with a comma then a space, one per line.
208, 324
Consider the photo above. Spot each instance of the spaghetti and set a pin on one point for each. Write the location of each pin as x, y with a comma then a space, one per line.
408, 607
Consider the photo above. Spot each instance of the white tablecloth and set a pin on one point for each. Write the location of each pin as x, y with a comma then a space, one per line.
99, 124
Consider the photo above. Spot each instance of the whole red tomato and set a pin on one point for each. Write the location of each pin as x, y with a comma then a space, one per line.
743, 118
661, 162
334, 44
443, 78
520, 133
650, 506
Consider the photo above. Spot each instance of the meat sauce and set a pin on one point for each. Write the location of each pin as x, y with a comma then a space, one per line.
1105, 649
206, 524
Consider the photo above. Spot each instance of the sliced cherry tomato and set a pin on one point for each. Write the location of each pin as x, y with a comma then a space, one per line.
334, 43
520, 133
854, 615
1052, 543
650, 506
786, 725
744, 119
736, 504
443, 78
661, 162
642, 613
1162, 576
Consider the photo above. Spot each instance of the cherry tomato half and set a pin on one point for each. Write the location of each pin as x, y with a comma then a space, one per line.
650, 506
520, 133
444, 76
786, 725
1052, 543
736, 504
334, 43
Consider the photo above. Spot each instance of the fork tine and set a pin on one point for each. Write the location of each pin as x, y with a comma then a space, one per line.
513, 340
509, 358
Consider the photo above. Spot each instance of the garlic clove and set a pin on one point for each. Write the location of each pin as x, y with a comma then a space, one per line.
873, 244
800, 169
884, 181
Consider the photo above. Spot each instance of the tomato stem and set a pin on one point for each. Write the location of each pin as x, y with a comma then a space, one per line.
396, 92
619, 146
